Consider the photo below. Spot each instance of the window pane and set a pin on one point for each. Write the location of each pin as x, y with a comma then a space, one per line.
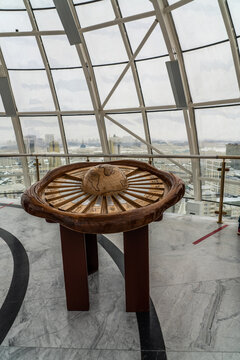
134, 7
31, 90
14, 20
8, 142
216, 128
199, 23
211, 73
42, 3
234, 6
218, 133
48, 19
133, 122
155, 82
41, 134
59, 52
13, 4
155, 44
125, 94
120, 141
168, 134
21, 53
95, 13
168, 131
72, 89
106, 46
82, 134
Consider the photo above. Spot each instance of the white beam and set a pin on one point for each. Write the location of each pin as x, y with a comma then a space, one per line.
173, 46
91, 83
49, 74
134, 55
176, 5
232, 37
128, 48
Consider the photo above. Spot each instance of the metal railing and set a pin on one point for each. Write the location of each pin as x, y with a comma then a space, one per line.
150, 157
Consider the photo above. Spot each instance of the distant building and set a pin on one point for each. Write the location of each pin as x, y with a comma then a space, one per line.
233, 149
30, 143
115, 145
53, 146
49, 138
83, 146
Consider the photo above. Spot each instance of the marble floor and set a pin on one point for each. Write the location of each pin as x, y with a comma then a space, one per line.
195, 290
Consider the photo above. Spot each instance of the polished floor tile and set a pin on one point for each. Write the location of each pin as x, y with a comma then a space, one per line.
195, 290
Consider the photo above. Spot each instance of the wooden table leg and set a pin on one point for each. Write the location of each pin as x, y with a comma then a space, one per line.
136, 257
92, 252
75, 269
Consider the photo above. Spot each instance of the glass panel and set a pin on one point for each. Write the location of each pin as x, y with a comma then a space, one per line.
21, 53
133, 122
8, 142
218, 133
234, 7
155, 82
13, 4
121, 142
168, 134
11, 178
216, 128
106, 46
211, 73
48, 19
72, 89
125, 94
154, 45
41, 134
59, 52
14, 21
31, 90
199, 23
134, 7
95, 13
82, 134
168, 131
42, 4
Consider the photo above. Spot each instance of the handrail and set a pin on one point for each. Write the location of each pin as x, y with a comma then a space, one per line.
144, 156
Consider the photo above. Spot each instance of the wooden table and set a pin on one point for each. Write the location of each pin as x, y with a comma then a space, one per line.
94, 198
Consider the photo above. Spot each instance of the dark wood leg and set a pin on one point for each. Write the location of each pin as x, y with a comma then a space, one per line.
136, 257
75, 269
92, 252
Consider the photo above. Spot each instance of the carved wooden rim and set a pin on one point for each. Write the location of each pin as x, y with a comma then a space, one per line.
59, 197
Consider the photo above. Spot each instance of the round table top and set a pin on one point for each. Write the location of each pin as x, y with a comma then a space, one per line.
102, 197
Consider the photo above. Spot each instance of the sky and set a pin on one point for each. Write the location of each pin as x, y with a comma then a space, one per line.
210, 70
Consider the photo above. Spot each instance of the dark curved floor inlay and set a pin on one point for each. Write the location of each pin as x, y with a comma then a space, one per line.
151, 338
19, 283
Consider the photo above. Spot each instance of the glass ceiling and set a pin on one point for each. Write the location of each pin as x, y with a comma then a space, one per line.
95, 96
